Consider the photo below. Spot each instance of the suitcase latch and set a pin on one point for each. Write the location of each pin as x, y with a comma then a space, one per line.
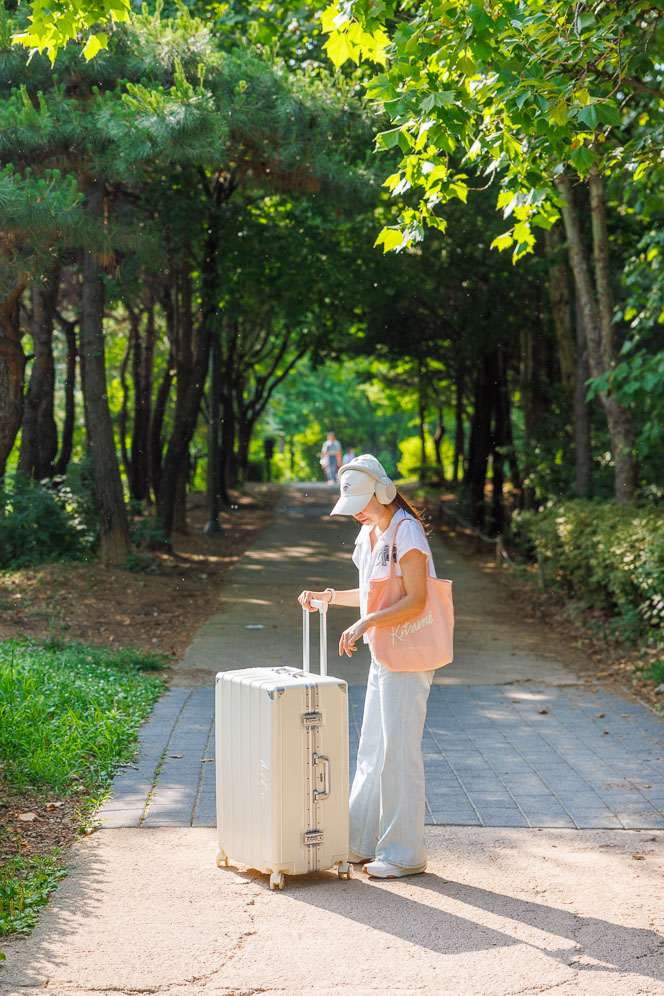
310, 719
313, 837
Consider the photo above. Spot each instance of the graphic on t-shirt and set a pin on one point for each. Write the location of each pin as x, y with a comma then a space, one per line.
384, 558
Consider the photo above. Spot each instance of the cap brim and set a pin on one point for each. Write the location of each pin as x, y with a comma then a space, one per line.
352, 504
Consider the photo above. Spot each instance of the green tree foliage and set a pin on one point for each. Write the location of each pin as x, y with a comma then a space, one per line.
536, 97
160, 134
354, 401
521, 90
214, 186
50, 26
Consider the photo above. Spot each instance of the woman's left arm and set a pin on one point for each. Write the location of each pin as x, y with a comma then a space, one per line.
414, 570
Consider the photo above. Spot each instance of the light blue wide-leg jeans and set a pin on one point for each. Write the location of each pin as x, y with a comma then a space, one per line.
387, 796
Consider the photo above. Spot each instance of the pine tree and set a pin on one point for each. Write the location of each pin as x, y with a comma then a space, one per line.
159, 133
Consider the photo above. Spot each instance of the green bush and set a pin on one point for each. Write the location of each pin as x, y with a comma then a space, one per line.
41, 524
607, 554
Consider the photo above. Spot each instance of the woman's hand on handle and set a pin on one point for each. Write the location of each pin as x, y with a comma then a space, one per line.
304, 598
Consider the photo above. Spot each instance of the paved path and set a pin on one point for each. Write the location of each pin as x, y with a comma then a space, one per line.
527, 744
521, 750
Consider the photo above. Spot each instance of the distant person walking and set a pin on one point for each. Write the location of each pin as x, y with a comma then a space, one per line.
330, 458
348, 456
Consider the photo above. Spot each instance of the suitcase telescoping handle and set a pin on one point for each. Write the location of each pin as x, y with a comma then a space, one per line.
322, 613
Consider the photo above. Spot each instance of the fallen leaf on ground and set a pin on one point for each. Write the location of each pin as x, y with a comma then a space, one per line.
638, 857
176, 755
544, 712
27, 817
50, 806
600, 715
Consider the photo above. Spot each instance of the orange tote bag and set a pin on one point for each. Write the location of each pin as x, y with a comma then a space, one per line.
422, 642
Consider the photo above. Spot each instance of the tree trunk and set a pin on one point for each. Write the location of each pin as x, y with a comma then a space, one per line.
229, 414
227, 433
561, 311
618, 416
527, 376
597, 308
39, 435
214, 469
114, 530
124, 410
12, 373
438, 437
191, 364
66, 443
422, 417
143, 359
226, 451
502, 443
180, 506
480, 445
572, 359
459, 440
245, 431
506, 409
157, 423
583, 460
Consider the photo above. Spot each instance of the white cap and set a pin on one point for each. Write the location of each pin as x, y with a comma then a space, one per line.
359, 480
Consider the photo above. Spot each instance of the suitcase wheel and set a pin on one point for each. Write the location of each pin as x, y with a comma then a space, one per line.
276, 881
344, 869
222, 860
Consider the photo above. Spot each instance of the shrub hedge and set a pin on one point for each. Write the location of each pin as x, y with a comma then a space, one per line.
606, 554
39, 524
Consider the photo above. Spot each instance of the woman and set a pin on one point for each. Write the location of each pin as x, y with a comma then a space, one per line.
387, 796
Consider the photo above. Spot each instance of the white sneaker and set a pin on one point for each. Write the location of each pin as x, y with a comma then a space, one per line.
383, 869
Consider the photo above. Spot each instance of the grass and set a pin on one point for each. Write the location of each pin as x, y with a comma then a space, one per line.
69, 715
25, 886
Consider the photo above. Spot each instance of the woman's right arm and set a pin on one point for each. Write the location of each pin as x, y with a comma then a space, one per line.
351, 597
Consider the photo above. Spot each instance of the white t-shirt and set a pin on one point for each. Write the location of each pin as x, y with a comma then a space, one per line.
331, 447
374, 564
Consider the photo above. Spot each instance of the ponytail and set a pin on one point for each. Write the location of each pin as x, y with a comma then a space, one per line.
401, 501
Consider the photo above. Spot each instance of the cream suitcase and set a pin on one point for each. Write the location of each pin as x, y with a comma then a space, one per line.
281, 748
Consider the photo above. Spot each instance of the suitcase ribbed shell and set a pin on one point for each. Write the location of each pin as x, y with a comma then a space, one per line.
282, 769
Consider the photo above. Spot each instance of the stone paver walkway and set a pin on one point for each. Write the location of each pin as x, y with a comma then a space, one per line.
522, 756
498, 753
